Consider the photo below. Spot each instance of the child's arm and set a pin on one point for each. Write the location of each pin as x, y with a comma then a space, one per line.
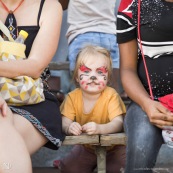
116, 125
70, 128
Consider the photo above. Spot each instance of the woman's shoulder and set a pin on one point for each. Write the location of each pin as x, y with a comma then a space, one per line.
54, 5
45, 3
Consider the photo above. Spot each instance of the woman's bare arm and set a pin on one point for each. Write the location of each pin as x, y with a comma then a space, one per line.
44, 45
128, 72
156, 112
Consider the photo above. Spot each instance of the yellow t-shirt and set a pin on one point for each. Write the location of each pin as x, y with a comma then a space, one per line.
108, 106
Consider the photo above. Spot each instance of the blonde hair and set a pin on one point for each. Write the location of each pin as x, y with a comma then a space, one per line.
92, 50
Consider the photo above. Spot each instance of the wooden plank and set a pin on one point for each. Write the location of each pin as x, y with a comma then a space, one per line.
113, 139
59, 65
81, 139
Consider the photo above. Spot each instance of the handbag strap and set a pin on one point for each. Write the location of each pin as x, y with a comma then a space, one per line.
5, 30
142, 53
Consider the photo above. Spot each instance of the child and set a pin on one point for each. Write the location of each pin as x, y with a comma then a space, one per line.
93, 108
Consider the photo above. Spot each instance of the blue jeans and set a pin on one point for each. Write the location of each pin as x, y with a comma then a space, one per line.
108, 41
144, 141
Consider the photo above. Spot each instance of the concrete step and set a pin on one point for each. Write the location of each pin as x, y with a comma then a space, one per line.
48, 170
45, 170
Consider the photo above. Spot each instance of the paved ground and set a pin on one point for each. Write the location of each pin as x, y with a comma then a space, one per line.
44, 157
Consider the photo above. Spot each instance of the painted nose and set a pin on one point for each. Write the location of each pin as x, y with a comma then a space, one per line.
93, 78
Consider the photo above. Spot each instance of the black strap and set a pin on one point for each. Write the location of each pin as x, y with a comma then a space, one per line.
40, 10
11, 24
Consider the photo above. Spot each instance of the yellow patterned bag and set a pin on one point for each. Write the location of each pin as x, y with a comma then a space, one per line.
21, 90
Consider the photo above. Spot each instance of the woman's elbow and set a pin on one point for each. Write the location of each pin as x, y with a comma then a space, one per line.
36, 73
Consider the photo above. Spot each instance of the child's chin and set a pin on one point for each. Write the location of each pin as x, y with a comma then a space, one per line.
94, 91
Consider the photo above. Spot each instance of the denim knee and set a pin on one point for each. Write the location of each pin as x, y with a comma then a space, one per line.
144, 141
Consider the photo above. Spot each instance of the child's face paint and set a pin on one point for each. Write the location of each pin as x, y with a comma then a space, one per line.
93, 76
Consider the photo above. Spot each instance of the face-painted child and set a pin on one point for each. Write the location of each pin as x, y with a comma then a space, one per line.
93, 69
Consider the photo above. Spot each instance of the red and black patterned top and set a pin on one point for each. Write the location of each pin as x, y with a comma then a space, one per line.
156, 29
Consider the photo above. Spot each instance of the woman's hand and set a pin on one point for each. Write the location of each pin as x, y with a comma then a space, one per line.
90, 128
3, 107
158, 114
75, 129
